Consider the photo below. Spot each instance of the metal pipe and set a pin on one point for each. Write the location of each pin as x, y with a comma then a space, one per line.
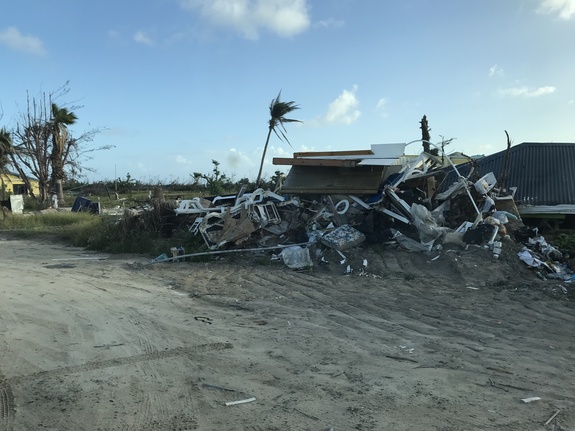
238, 250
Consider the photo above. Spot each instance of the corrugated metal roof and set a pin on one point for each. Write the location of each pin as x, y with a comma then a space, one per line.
544, 173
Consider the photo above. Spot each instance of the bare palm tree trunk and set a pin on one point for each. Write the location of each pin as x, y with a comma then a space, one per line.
263, 158
57, 180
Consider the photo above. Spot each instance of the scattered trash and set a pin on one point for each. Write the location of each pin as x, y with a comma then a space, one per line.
85, 258
82, 204
234, 403
107, 346
161, 258
343, 237
342, 199
343, 258
219, 388
296, 257
177, 253
530, 400
552, 417
496, 249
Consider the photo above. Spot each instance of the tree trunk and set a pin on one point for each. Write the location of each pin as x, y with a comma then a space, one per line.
425, 136
263, 158
503, 178
57, 177
60, 192
57, 182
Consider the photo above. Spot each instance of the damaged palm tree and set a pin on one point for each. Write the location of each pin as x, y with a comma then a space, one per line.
278, 111
5, 146
426, 137
61, 119
505, 173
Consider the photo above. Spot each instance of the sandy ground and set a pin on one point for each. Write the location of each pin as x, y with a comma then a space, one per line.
413, 343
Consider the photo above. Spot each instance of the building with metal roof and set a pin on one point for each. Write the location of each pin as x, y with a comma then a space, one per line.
542, 176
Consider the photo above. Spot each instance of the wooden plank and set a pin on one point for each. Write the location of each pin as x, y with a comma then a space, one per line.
315, 162
333, 180
334, 153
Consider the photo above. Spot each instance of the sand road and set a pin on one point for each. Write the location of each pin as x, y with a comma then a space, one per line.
414, 344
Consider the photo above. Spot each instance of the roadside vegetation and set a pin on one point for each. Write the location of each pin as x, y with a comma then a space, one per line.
149, 234
112, 234
41, 147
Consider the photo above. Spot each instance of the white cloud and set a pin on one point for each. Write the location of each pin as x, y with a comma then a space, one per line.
238, 160
381, 106
527, 91
343, 110
495, 70
140, 37
564, 9
329, 23
283, 17
13, 39
181, 160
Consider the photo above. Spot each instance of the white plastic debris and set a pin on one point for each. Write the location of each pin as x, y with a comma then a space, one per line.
343, 258
526, 257
233, 403
496, 249
296, 257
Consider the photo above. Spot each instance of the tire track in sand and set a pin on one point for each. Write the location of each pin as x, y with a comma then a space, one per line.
7, 411
178, 351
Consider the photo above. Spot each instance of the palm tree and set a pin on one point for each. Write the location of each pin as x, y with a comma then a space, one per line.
61, 119
5, 147
278, 111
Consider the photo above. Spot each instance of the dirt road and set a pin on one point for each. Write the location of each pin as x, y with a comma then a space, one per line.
454, 343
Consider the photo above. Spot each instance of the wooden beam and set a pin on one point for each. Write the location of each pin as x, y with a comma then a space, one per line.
334, 153
315, 162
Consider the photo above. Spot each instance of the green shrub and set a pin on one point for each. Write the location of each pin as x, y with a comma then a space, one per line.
565, 242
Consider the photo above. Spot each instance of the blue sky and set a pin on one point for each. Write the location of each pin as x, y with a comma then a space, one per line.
177, 83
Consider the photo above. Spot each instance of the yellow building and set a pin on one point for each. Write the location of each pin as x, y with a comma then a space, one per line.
12, 184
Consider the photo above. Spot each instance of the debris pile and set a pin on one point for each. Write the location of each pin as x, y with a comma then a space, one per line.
339, 200
547, 261
399, 203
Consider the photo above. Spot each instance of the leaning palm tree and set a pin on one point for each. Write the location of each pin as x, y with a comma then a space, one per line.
278, 111
61, 119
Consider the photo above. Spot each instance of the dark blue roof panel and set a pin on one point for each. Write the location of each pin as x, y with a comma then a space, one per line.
544, 173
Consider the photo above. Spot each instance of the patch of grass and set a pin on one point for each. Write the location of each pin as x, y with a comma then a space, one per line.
139, 235
45, 223
565, 242
262, 261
